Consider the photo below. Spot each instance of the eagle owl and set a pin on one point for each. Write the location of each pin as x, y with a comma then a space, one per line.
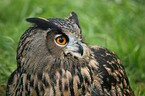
54, 60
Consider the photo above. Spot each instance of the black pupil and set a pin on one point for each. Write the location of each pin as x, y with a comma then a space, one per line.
61, 40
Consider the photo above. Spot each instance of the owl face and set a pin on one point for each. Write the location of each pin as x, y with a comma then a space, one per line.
63, 35
49, 39
66, 38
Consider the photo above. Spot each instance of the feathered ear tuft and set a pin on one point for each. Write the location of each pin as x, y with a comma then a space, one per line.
42, 23
74, 18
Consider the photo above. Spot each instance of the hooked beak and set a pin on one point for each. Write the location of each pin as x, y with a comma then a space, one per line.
80, 49
76, 49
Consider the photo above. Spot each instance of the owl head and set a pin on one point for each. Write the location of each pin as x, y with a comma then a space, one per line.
51, 38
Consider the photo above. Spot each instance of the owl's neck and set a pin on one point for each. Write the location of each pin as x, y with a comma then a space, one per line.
33, 62
50, 63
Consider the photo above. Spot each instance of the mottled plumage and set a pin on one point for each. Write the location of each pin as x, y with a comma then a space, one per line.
54, 60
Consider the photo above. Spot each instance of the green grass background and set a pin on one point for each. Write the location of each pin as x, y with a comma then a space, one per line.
118, 25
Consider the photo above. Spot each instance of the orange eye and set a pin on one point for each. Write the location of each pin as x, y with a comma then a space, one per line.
61, 40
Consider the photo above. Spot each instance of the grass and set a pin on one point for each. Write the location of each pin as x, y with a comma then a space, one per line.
115, 24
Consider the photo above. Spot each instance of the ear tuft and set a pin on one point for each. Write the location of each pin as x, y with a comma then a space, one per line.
41, 23
74, 18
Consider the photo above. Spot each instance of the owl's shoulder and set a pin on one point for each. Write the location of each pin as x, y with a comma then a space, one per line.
111, 70
108, 62
104, 55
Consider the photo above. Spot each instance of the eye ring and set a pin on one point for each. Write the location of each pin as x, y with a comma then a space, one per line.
60, 40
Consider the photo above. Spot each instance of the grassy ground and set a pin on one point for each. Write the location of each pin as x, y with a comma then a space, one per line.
118, 25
